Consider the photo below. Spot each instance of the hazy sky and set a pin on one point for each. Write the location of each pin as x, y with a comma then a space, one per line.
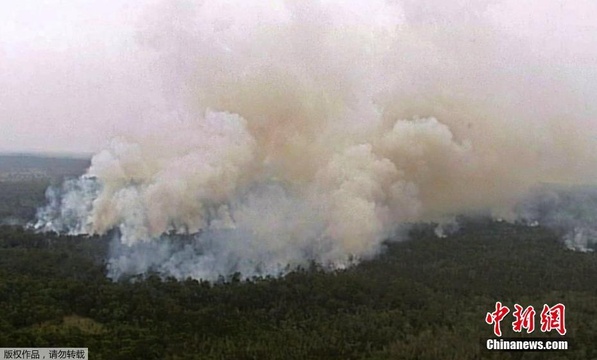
72, 76
68, 78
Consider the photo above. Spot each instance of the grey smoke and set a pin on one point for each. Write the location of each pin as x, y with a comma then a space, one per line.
570, 211
298, 131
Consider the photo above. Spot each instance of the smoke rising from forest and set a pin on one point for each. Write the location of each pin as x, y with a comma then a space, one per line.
296, 131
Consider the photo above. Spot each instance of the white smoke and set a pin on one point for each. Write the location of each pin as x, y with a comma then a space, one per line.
570, 211
298, 131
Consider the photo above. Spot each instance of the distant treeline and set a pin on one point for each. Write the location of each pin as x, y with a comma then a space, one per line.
24, 180
53, 167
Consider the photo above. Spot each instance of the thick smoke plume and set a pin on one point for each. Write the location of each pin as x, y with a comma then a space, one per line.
292, 131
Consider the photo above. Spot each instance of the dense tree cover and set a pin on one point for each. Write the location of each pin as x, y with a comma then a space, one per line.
425, 298
19, 200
